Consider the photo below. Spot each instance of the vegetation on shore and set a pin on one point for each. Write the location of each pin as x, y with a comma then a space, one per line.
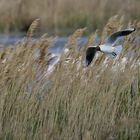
101, 102
61, 16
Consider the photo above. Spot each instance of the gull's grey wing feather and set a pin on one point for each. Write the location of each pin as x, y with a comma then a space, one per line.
90, 53
113, 37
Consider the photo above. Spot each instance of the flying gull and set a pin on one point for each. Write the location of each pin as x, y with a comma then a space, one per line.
108, 48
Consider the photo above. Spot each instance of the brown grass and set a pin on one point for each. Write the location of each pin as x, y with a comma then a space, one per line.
101, 102
58, 15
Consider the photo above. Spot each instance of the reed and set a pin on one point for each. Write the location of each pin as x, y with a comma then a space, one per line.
101, 102
57, 16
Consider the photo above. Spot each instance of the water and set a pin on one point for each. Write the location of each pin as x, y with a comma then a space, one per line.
57, 47
7, 40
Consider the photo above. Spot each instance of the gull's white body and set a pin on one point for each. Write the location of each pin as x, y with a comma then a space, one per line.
108, 50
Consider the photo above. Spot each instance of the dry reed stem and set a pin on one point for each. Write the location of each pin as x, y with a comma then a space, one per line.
32, 28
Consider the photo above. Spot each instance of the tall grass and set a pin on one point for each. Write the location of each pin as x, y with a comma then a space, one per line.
58, 15
101, 102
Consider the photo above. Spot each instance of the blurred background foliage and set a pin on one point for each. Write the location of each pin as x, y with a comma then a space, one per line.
57, 16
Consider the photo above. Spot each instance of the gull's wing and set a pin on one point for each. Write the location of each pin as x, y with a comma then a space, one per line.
90, 53
53, 59
113, 38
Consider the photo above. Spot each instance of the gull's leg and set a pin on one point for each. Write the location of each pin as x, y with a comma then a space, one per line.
114, 54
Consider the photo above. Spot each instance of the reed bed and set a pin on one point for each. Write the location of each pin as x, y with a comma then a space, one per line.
100, 102
62, 15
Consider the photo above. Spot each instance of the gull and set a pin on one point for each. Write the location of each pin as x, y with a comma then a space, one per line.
108, 48
53, 59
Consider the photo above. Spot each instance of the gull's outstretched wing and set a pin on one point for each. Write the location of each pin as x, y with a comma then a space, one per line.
90, 53
113, 38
